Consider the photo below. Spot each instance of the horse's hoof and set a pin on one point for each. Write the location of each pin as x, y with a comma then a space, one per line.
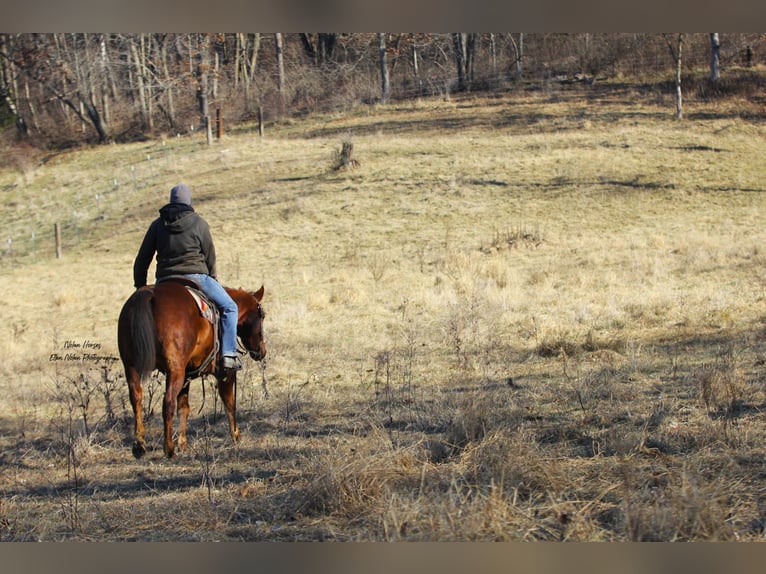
139, 450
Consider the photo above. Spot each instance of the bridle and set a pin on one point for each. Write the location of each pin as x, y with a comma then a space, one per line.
241, 348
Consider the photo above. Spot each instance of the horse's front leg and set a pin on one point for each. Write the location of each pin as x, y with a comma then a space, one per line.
183, 407
136, 397
173, 387
227, 390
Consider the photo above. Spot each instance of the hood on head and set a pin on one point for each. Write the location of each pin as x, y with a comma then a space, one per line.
181, 193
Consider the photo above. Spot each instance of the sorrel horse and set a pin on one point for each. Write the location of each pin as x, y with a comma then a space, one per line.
160, 327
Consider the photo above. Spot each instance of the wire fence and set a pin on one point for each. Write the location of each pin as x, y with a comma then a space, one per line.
90, 215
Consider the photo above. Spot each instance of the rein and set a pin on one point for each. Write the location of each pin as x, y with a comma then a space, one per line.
242, 351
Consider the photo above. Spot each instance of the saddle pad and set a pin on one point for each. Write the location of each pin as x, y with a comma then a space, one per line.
206, 309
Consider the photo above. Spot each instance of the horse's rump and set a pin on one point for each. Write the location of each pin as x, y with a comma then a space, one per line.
137, 337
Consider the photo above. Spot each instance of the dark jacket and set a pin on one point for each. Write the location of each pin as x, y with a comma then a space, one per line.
181, 238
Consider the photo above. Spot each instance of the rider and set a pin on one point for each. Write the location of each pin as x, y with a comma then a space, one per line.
181, 238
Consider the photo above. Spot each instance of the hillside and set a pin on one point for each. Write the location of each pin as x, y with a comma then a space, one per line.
520, 317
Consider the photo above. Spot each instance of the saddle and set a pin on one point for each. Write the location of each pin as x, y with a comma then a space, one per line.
209, 311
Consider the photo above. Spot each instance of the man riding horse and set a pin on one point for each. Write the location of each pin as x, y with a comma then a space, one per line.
163, 327
181, 239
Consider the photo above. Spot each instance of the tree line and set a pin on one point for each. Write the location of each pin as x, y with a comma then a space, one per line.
59, 89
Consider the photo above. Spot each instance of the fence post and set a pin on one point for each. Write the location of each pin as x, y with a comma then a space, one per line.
218, 123
260, 121
57, 233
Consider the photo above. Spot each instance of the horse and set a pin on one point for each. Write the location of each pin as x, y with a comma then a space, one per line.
161, 327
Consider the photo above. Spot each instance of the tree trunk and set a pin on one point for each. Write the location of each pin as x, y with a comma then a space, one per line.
247, 61
147, 84
216, 70
384, 79
492, 54
170, 112
679, 97
327, 43
203, 69
103, 79
415, 67
470, 60
319, 48
715, 58
280, 63
8, 86
465, 56
30, 104
461, 56
97, 121
254, 57
308, 46
518, 54
239, 58
87, 92
140, 88
676, 53
346, 158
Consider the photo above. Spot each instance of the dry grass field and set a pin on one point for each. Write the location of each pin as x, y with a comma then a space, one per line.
536, 316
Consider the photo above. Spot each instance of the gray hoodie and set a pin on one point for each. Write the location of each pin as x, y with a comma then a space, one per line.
181, 238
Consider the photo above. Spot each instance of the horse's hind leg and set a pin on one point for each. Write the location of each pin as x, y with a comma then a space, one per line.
227, 390
136, 395
173, 387
183, 407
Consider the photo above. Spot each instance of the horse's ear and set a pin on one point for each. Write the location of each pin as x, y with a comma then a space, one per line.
259, 294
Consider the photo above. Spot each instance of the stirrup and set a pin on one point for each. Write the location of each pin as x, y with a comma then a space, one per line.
232, 362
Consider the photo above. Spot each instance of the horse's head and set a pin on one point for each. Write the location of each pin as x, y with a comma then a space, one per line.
250, 323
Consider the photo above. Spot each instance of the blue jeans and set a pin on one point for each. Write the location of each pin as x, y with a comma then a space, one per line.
228, 307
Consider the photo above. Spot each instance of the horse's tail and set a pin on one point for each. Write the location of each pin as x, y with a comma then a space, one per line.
143, 333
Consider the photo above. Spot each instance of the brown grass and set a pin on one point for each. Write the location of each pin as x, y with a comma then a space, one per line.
526, 318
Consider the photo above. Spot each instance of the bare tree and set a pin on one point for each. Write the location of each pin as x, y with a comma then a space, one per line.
64, 87
319, 47
676, 53
138, 63
679, 96
8, 89
73, 85
168, 82
415, 65
464, 45
95, 83
87, 94
384, 77
279, 45
203, 84
459, 40
246, 59
518, 54
203, 72
715, 57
